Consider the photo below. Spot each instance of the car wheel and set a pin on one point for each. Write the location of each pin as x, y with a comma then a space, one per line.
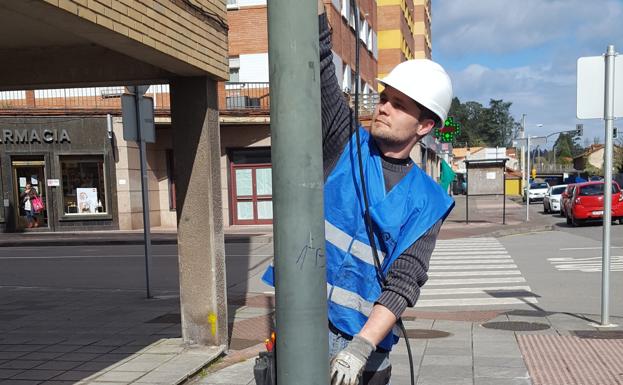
575, 222
621, 221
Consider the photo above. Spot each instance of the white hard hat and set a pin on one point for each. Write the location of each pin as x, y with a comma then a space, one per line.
424, 81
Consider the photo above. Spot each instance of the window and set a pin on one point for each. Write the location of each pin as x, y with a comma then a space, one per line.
345, 8
234, 69
232, 4
84, 183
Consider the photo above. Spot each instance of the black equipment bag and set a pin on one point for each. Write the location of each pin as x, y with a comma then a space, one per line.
264, 369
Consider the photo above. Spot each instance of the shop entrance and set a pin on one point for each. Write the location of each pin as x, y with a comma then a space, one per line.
29, 172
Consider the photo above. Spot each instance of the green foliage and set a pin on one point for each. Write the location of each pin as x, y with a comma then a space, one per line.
484, 126
617, 161
591, 170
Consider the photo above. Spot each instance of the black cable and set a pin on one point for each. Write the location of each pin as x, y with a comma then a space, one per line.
368, 219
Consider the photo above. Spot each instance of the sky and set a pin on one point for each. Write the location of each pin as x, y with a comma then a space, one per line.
525, 52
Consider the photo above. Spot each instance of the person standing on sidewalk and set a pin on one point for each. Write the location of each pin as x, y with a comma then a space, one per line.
406, 206
26, 198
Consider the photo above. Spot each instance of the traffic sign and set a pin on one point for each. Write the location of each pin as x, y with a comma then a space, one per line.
146, 114
591, 87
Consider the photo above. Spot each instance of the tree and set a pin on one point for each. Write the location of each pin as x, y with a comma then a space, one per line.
617, 161
484, 126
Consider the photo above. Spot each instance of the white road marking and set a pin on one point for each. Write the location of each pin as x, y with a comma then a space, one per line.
473, 302
470, 281
468, 267
471, 273
474, 290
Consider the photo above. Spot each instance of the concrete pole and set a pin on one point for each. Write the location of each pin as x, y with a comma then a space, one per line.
609, 118
300, 271
200, 238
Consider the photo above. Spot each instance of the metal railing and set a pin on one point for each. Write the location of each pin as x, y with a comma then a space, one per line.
89, 98
247, 96
238, 96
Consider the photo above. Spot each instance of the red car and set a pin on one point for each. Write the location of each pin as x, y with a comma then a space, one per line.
587, 203
565, 197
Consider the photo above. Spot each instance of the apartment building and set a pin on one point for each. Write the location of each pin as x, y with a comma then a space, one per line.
62, 142
404, 32
245, 121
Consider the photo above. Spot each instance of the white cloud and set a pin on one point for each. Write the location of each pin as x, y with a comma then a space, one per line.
463, 27
525, 52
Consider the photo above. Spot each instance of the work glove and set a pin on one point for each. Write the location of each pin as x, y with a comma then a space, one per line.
348, 364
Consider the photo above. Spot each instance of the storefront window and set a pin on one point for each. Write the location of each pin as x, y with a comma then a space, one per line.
84, 191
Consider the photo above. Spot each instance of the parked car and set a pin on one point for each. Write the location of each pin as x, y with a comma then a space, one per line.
551, 201
565, 198
587, 203
537, 191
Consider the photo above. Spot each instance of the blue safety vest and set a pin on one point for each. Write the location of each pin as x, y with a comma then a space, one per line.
400, 216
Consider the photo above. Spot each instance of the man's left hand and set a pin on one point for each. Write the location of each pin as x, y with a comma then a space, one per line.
348, 364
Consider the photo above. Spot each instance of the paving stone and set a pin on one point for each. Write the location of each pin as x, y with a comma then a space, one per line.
96, 349
11, 355
43, 356
59, 365
440, 351
111, 357
77, 356
73, 375
509, 362
34, 374
8, 373
93, 366
444, 360
20, 382
20, 364
501, 381
20, 348
118, 376
61, 348
500, 372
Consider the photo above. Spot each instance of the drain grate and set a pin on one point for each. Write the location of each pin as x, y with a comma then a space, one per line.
169, 318
516, 326
426, 333
599, 334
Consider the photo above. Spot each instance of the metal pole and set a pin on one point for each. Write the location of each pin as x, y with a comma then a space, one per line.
607, 216
300, 272
523, 149
145, 192
466, 192
528, 181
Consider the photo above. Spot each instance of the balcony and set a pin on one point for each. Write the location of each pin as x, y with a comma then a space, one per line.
237, 98
246, 97
77, 100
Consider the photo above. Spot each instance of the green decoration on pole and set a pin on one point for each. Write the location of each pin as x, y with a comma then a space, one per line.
449, 131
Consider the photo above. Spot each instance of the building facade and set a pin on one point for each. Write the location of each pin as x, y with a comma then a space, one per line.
62, 141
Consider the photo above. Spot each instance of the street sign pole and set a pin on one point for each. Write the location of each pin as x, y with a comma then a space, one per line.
528, 180
607, 216
138, 94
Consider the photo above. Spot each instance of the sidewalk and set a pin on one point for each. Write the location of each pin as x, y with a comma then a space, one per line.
517, 347
99, 338
159, 236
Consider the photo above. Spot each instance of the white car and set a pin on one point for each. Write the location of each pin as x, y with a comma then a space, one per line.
551, 201
537, 191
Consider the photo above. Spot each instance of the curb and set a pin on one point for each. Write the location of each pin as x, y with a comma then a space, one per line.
81, 241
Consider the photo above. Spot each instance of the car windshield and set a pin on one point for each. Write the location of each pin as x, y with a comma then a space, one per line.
558, 190
539, 185
597, 189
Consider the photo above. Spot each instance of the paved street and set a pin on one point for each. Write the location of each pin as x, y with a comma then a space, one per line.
70, 313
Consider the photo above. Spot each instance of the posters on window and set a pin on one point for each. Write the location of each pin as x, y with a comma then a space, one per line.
87, 200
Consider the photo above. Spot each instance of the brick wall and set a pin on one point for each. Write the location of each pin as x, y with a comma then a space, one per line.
178, 28
248, 30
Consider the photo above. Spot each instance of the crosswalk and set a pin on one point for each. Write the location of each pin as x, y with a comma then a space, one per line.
473, 272
587, 264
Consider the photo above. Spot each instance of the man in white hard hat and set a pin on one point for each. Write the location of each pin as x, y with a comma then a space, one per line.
407, 209
406, 206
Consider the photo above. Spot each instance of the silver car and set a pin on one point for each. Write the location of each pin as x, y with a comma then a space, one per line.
551, 201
